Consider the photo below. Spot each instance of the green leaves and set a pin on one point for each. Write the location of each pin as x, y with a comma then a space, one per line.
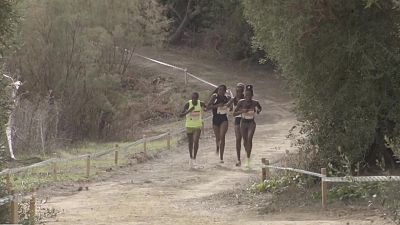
340, 59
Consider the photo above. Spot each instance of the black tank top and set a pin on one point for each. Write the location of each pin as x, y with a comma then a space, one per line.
218, 100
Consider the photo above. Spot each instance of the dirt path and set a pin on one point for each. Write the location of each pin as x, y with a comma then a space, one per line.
165, 191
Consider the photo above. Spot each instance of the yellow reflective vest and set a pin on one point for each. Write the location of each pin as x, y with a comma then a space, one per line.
194, 119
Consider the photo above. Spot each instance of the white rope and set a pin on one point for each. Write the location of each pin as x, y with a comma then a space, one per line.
295, 170
6, 200
351, 179
71, 158
179, 68
20, 169
102, 153
156, 137
18, 197
348, 179
202, 80
159, 62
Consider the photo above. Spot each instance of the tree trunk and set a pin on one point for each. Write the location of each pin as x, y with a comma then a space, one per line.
379, 155
10, 135
189, 15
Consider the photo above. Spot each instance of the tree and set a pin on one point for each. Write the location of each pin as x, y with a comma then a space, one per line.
74, 55
8, 19
341, 61
218, 25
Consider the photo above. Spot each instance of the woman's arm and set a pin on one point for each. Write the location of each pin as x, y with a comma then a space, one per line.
258, 107
186, 110
211, 105
239, 109
203, 106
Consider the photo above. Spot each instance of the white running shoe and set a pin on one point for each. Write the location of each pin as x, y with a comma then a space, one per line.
191, 163
248, 163
194, 164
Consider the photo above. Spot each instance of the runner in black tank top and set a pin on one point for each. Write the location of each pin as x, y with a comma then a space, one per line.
248, 107
234, 101
219, 108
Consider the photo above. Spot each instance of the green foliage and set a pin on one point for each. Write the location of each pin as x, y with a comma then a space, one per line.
341, 61
8, 20
358, 191
279, 184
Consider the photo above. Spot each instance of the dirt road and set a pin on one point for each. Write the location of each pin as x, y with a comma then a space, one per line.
166, 191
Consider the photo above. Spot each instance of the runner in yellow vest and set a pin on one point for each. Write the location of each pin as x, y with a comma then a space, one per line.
193, 110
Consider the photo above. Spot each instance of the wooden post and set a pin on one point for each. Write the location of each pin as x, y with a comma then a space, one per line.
116, 157
169, 140
186, 77
300, 157
267, 174
286, 161
324, 193
32, 208
88, 166
8, 183
144, 144
263, 170
54, 170
14, 208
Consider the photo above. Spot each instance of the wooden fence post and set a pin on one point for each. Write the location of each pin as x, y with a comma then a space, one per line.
169, 139
263, 170
32, 208
116, 157
88, 166
54, 164
144, 144
301, 156
324, 193
8, 183
186, 77
14, 208
286, 161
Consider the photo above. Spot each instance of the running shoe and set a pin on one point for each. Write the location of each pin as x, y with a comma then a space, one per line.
248, 163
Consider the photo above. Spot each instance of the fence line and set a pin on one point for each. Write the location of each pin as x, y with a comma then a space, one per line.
324, 178
346, 179
354, 179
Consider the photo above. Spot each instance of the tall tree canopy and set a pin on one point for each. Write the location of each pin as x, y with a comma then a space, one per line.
342, 62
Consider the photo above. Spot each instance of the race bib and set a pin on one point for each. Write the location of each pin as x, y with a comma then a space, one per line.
248, 115
222, 110
195, 115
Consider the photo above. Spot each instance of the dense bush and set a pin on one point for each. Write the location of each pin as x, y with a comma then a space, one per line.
341, 61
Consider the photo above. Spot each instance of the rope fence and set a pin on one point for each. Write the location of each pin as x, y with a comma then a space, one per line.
265, 175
